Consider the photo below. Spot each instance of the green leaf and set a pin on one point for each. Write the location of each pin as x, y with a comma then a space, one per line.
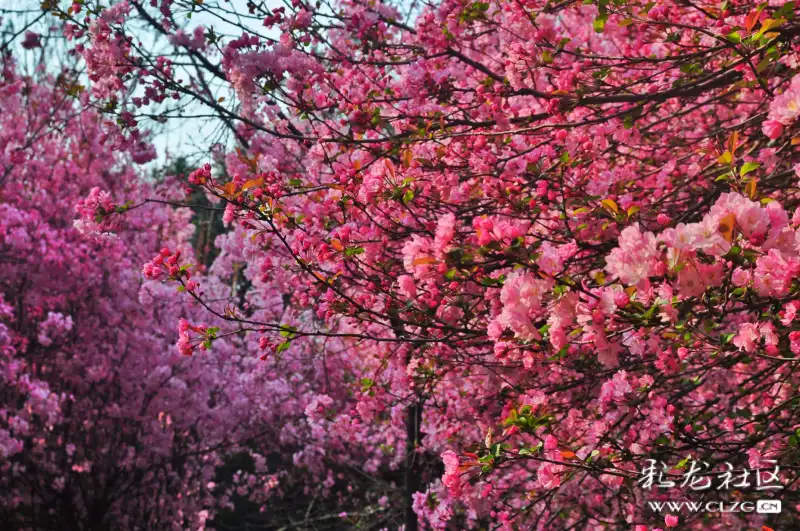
533, 450
366, 384
288, 331
353, 251
599, 23
747, 167
650, 312
786, 11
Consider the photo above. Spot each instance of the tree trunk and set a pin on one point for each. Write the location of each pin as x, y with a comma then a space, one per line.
413, 422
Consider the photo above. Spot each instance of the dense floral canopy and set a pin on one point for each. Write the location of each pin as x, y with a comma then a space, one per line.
515, 250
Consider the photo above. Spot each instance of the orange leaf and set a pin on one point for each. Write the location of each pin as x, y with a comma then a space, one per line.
253, 183
423, 260
765, 528
733, 142
408, 156
610, 205
230, 188
390, 167
566, 454
751, 187
337, 244
769, 24
751, 19
726, 225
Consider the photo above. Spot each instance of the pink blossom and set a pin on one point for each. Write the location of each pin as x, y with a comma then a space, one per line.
772, 128
445, 231
522, 297
748, 337
789, 312
316, 408
451, 478
794, 345
741, 277
785, 109
615, 390
774, 273
32, 40
635, 258
407, 286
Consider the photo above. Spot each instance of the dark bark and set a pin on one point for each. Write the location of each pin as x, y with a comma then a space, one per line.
412, 472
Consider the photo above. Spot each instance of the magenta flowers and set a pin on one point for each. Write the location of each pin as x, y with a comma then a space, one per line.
463, 265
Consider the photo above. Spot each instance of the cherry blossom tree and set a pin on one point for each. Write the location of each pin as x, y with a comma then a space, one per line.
546, 242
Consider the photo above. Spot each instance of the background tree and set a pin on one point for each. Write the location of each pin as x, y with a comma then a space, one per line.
547, 241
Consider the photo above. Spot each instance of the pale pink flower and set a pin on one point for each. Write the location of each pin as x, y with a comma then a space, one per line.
522, 296
748, 337
774, 274
407, 287
451, 478
445, 231
635, 258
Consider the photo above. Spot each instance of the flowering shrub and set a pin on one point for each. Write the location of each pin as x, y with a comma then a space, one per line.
102, 419
543, 243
